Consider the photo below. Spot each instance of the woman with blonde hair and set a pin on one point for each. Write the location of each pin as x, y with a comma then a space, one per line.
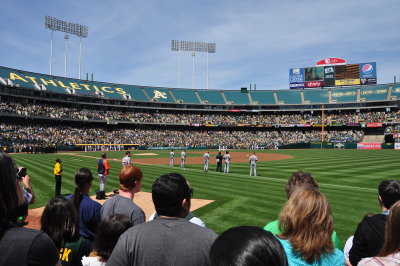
306, 224
390, 252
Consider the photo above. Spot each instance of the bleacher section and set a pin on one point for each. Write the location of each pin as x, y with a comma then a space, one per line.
236, 97
395, 95
63, 85
211, 97
16, 77
344, 95
316, 96
289, 97
135, 92
186, 96
159, 95
263, 97
377, 93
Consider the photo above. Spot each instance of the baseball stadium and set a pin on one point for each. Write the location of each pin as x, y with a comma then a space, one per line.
237, 150
328, 132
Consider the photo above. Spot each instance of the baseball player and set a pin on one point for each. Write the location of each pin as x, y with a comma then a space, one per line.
219, 159
127, 159
183, 157
206, 157
171, 158
253, 166
227, 159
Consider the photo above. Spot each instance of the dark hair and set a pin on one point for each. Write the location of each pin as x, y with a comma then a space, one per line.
58, 160
83, 176
299, 179
108, 232
128, 152
128, 176
8, 189
60, 221
392, 232
103, 155
247, 245
389, 190
168, 191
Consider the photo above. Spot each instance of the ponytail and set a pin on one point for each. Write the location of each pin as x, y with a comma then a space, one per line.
82, 177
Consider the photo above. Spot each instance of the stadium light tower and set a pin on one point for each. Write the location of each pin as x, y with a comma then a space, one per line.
81, 31
191, 46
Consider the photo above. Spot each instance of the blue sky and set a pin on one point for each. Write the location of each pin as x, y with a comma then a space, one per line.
257, 41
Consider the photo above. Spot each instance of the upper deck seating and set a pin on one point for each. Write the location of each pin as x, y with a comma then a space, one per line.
236, 97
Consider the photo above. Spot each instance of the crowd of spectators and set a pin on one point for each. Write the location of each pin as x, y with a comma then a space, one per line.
55, 111
24, 137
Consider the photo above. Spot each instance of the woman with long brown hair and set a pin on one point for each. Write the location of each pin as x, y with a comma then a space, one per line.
390, 252
88, 209
306, 224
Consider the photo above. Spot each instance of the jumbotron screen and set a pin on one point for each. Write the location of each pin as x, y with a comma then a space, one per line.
333, 75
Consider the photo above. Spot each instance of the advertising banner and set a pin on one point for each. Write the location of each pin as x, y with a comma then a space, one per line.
369, 146
314, 73
374, 124
344, 82
331, 61
353, 124
313, 84
303, 125
368, 70
329, 76
296, 85
397, 146
296, 75
368, 81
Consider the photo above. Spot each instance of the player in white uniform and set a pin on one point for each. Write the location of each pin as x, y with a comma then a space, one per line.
227, 159
183, 157
253, 166
127, 159
171, 158
206, 157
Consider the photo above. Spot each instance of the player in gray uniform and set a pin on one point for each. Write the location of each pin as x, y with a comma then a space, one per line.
253, 166
183, 157
206, 157
127, 159
227, 159
171, 158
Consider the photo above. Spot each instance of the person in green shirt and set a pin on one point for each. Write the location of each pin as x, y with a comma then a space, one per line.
300, 179
60, 221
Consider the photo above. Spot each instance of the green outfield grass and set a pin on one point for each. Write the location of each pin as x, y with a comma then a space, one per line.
349, 179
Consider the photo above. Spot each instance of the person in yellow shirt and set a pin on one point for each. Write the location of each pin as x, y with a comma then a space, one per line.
58, 174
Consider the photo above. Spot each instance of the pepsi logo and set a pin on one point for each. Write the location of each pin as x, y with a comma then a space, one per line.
367, 69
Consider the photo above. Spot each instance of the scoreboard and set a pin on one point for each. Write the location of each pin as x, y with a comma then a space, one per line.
333, 75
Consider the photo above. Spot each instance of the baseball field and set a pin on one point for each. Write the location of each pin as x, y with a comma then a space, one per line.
348, 178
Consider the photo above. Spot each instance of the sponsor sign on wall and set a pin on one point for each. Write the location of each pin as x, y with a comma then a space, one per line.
374, 124
397, 146
296, 75
368, 81
296, 85
331, 61
368, 70
345, 82
313, 84
369, 146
